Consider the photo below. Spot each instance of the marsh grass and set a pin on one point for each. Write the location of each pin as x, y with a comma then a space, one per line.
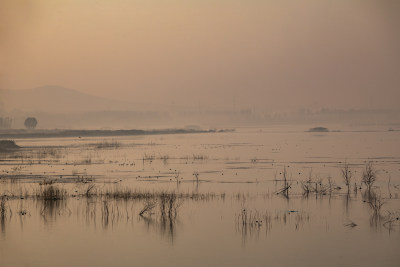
126, 193
105, 144
47, 182
148, 157
195, 157
164, 158
48, 152
199, 157
50, 192
53, 190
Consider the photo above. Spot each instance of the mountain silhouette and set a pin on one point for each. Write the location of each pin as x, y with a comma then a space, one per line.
52, 98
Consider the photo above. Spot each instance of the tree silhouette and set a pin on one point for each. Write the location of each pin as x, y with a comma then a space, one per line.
30, 123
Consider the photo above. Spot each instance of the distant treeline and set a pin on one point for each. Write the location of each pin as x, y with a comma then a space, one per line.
5, 122
114, 119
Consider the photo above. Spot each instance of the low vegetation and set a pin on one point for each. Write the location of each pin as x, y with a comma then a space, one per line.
113, 144
51, 192
8, 145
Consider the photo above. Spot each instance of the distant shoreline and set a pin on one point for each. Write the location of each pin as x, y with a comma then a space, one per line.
22, 133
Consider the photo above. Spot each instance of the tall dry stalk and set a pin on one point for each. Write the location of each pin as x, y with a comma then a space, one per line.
347, 175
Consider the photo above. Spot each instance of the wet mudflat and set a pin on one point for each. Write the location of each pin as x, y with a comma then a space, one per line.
251, 197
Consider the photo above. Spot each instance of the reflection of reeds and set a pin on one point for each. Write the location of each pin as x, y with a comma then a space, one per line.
3, 213
164, 223
51, 197
148, 206
3, 207
391, 219
286, 185
374, 200
249, 219
249, 222
350, 224
169, 206
105, 213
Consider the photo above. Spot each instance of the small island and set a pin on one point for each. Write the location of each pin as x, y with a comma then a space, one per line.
319, 130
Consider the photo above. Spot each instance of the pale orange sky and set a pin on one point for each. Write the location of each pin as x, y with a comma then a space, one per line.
267, 54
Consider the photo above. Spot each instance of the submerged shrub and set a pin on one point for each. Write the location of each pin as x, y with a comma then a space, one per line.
369, 175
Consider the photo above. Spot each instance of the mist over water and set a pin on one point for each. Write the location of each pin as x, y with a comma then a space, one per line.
267, 56
199, 133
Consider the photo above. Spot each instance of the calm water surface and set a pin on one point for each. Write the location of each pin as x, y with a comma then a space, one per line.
228, 212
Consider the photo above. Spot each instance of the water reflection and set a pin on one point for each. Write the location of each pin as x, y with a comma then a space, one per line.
4, 211
165, 227
3, 224
347, 200
249, 223
160, 216
51, 209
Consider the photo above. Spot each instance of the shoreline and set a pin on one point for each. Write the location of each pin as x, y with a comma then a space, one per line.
22, 133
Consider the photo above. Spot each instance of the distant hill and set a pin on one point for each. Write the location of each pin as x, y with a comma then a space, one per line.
58, 99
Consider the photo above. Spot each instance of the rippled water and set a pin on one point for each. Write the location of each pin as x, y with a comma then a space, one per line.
227, 210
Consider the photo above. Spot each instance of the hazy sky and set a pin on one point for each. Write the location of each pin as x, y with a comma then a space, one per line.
267, 54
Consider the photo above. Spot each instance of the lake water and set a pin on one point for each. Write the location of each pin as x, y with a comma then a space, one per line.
227, 206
